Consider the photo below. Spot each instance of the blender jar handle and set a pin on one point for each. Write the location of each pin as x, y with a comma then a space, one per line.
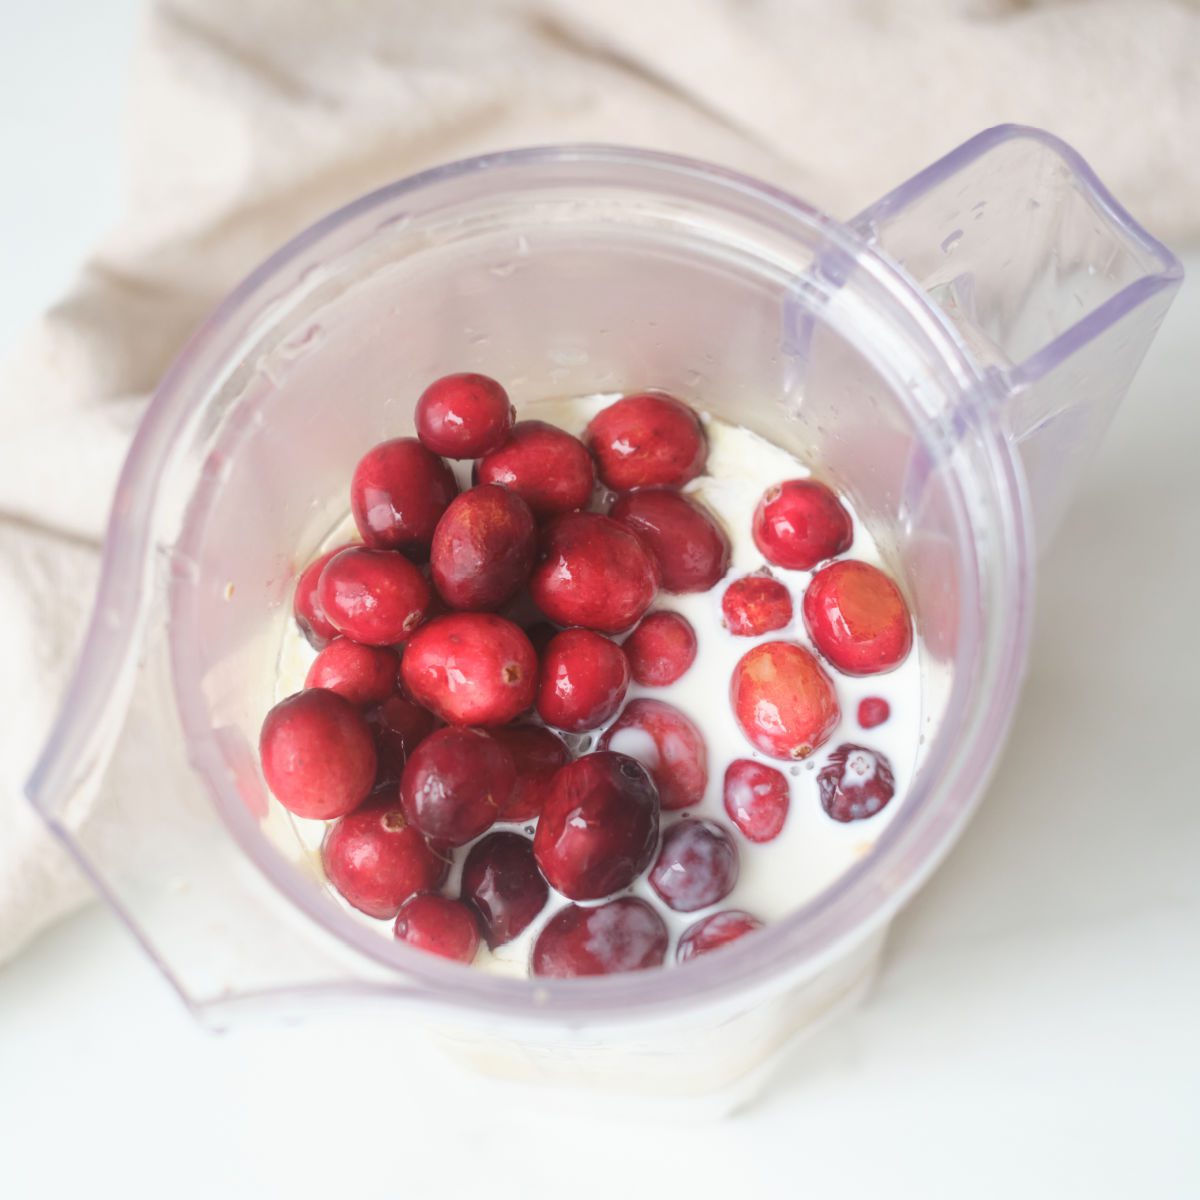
1047, 281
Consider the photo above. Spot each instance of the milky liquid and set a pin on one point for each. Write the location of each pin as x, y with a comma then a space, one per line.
812, 850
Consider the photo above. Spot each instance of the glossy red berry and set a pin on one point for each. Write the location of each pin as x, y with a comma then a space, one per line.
317, 754
783, 700
593, 572
464, 416
647, 440
471, 669
376, 597
872, 711
756, 798
376, 859
398, 494
668, 744
691, 548
306, 605
365, 675
483, 548
582, 680
857, 618
398, 726
755, 605
855, 783
438, 925
696, 867
800, 523
661, 649
501, 881
714, 932
537, 754
548, 468
455, 783
623, 935
599, 826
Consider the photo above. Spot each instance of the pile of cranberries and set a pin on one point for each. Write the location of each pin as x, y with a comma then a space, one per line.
470, 630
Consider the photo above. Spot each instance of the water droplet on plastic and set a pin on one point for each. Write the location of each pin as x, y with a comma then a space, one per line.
950, 242
503, 270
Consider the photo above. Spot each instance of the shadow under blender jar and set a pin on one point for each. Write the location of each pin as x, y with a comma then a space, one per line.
949, 359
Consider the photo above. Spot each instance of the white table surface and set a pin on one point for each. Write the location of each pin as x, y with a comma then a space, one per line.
1036, 1027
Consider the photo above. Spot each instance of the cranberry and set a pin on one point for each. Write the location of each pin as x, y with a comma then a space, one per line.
549, 469
376, 597
306, 604
471, 669
439, 926
599, 826
398, 726
398, 493
782, 699
872, 711
661, 649
464, 416
691, 548
365, 675
800, 523
582, 680
623, 935
855, 783
714, 932
540, 634
756, 798
668, 744
857, 618
756, 604
537, 754
317, 754
376, 859
697, 866
502, 883
593, 572
455, 783
483, 548
647, 440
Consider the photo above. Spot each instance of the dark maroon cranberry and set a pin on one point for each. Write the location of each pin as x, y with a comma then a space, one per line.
464, 416
537, 754
697, 866
714, 932
438, 925
691, 547
376, 597
582, 680
365, 675
549, 469
599, 826
502, 883
399, 491
756, 798
801, 523
872, 711
647, 440
623, 935
398, 726
668, 744
661, 649
756, 604
855, 783
306, 605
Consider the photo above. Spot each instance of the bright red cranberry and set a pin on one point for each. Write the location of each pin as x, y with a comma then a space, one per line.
593, 572
623, 935
668, 744
697, 866
782, 699
691, 548
306, 604
855, 783
537, 754
502, 883
801, 523
464, 416
317, 754
756, 798
647, 440
398, 726
549, 469
582, 680
455, 783
714, 932
376, 597
376, 859
483, 548
599, 826
438, 925
872, 711
471, 669
365, 675
756, 604
857, 618
398, 494
661, 649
